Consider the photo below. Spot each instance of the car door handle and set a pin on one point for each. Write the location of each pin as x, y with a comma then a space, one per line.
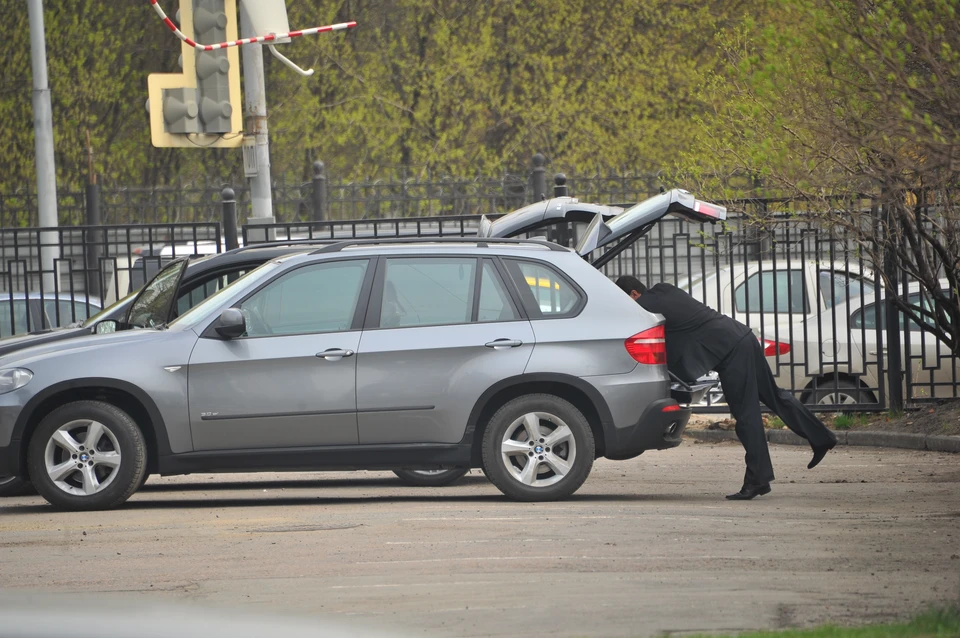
335, 354
503, 344
874, 352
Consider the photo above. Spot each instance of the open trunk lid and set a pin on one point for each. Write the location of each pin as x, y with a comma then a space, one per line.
637, 221
549, 212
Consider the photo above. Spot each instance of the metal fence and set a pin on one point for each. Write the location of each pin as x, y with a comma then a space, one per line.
809, 292
52, 277
320, 197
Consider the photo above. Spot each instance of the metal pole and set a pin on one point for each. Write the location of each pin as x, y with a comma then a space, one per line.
255, 112
94, 237
539, 177
43, 136
229, 200
319, 192
893, 335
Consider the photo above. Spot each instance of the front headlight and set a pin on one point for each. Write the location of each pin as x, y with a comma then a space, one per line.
14, 379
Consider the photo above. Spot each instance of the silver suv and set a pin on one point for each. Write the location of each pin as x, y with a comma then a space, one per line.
516, 356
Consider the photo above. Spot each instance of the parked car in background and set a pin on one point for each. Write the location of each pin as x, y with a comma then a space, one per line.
762, 292
834, 355
811, 317
431, 354
22, 312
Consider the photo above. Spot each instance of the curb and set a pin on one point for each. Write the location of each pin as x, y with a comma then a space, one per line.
901, 440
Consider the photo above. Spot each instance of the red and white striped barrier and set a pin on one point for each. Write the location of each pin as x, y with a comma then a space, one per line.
257, 40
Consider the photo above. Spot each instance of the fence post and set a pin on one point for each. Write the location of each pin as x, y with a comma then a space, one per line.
319, 192
229, 200
560, 190
559, 185
538, 178
92, 256
892, 313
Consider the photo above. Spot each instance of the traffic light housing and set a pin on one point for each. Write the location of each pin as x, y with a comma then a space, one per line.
200, 107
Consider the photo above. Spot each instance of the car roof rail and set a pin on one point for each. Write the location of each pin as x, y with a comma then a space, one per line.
481, 242
282, 244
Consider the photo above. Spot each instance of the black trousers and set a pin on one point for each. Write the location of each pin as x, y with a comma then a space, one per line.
747, 381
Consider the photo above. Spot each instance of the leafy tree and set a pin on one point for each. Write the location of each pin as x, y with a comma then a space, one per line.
833, 101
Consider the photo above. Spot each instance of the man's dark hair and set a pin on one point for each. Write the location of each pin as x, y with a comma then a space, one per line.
629, 282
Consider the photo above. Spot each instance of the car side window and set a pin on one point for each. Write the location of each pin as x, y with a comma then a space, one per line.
199, 291
769, 291
13, 323
545, 291
313, 299
64, 312
427, 291
840, 288
495, 304
866, 317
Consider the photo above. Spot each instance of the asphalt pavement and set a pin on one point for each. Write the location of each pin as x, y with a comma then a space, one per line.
646, 546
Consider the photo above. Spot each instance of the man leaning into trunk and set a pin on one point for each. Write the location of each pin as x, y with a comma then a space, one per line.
700, 339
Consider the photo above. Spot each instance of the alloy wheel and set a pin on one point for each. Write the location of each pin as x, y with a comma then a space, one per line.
837, 398
538, 449
82, 457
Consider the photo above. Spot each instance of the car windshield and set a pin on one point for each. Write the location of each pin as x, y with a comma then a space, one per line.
244, 283
152, 307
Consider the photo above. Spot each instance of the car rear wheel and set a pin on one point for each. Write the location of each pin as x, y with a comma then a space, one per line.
15, 486
839, 392
538, 448
87, 455
431, 478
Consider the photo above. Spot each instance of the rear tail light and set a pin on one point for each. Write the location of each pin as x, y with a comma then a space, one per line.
773, 348
675, 407
648, 347
712, 210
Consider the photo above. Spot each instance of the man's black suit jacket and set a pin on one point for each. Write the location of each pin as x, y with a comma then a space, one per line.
698, 337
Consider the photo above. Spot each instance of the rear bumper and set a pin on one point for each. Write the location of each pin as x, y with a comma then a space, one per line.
656, 430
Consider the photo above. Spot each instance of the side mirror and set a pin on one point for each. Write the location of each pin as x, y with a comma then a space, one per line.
107, 326
231, 324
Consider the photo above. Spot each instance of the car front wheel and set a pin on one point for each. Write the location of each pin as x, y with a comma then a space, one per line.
431, 478
538, 448
87, 455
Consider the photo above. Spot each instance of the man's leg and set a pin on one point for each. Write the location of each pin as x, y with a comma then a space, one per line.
738, 377
785, 405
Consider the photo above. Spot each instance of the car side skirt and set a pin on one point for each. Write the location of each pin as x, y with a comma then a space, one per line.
403, 456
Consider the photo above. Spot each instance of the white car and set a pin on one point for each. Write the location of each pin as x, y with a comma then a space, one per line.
816, 337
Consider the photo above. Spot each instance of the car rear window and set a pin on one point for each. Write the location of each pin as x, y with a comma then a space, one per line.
545, 292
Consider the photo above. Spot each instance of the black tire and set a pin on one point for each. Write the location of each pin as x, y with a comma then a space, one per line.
118, 482
508, 420
838, 392
430, 478
15, 486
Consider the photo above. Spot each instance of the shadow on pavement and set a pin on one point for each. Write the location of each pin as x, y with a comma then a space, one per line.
428, 496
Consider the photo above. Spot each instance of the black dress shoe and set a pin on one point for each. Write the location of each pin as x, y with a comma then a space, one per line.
748, 492
819, 451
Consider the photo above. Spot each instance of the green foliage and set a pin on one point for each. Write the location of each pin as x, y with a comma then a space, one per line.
938, 623
441, 85
848, 421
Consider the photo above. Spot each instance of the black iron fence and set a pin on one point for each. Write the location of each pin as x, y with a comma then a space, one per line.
321, 197
54, 277
809, 293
